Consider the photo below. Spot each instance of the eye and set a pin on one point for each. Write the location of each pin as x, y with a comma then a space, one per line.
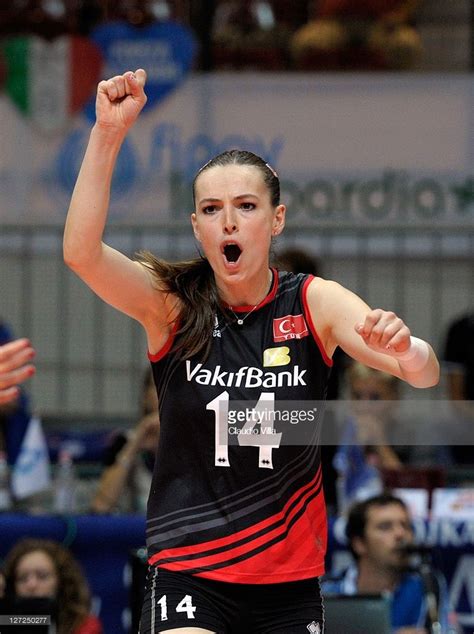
209, 209
247, 206
385, 526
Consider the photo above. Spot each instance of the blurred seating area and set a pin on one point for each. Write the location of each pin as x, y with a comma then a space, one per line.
51, 18
277, 35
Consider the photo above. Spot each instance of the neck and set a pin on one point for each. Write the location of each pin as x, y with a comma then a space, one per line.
373, 579
249, 293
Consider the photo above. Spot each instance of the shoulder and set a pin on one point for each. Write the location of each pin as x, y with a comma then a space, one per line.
318, 293
324, 301
409, 591
328, 291
328, 301
287, 278
411, 581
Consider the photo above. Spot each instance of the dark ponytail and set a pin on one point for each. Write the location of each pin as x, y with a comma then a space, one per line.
193, 283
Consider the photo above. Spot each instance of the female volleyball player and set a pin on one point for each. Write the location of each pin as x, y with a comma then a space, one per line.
236, 527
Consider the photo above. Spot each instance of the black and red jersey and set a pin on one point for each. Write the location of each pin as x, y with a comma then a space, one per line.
236, 493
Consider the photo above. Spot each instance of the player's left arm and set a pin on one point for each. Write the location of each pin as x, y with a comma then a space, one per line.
375, 337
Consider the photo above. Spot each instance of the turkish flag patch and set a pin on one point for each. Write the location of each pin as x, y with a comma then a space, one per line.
289, 327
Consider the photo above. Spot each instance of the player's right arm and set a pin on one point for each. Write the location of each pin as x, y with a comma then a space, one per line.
121, 282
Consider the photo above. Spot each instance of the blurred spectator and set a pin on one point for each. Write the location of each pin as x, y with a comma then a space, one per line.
298, 260
44, 18
379, 390
374, 34
384, 444
364, 451
459, 361
15, 410
201, 15
125, 483
136, 12
459, 357
86, 16
14, 366
43, 568
246, 35
21, 434
380, 534
144, 12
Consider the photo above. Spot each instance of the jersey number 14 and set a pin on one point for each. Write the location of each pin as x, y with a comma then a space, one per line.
263, 437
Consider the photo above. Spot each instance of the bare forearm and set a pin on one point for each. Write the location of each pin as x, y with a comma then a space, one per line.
109, 489
90, 200
114, 479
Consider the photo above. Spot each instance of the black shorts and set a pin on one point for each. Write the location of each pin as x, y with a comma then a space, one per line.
174, 599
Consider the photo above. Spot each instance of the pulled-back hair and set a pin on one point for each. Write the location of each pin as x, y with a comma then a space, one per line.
193, 281
73, 596
244, 157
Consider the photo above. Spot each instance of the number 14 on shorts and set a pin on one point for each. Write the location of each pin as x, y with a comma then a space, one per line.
185, 605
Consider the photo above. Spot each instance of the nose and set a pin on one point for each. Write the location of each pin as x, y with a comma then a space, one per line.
402, 534
229, 221
31, 586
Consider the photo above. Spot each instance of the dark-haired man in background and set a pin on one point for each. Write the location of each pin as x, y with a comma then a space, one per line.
379, 534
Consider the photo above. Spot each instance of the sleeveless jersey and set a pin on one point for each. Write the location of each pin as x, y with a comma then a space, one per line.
236, 493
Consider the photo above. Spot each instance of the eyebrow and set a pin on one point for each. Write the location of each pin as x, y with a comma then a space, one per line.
239, 197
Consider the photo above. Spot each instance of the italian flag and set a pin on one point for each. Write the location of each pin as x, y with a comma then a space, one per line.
49, 81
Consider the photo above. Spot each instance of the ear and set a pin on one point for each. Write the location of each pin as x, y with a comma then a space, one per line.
279, 220
358, 546
195, 227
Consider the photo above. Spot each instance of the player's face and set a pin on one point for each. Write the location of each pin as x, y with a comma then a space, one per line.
36, 575
387, 529
234, 221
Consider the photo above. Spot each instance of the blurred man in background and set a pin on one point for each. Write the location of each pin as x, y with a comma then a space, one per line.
380, 537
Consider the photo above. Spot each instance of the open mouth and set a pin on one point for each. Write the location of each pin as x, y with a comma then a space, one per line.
232, 252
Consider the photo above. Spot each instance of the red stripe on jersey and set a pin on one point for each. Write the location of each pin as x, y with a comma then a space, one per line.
243, 549
236, 537
309, 319
299, 556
